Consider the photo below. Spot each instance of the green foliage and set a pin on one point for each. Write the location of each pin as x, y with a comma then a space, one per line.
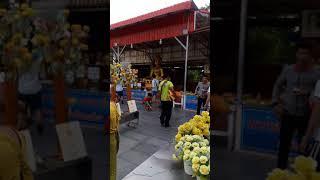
269, 45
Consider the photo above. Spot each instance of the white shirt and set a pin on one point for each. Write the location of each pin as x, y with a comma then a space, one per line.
155, 84
119, 87
29, 82
317, 95
317, 90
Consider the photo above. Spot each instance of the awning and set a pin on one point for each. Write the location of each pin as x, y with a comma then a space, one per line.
165, 23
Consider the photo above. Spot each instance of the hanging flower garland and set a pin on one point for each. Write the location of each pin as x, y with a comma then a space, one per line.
67, 44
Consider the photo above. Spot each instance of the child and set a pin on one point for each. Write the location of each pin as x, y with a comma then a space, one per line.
147, 102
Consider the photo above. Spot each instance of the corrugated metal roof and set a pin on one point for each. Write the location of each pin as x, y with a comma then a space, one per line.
184, 6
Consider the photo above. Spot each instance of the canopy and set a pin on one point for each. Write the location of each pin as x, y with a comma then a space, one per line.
176, 20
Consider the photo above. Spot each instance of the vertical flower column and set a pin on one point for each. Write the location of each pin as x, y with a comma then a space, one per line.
15, 31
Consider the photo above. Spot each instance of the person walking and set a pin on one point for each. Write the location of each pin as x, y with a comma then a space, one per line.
202, 92
155, 86
114, 138
290, 99
166, 89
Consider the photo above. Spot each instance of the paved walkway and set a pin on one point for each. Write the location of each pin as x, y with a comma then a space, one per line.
137, 145
95, 143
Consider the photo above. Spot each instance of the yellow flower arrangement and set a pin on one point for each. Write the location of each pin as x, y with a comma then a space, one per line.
178, 137
304, 169
304, 165
198, 125
278, 174
200, 158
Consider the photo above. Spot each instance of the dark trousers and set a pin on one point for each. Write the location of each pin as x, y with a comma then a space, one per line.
201, 102
166, 111
289, 125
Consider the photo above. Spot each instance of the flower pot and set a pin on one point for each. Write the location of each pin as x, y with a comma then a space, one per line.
202, 178
187, 168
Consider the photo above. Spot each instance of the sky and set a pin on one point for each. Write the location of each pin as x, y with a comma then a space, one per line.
124, 9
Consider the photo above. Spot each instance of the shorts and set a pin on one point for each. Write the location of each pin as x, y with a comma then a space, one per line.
120, 93
32, 101
154, 93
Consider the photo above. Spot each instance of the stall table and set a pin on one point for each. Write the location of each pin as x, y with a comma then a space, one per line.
191, 100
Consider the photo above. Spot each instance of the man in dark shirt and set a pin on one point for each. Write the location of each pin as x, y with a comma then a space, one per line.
202, 92
291, 95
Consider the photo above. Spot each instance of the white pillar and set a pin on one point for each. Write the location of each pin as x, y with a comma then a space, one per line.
242, 39
186, 73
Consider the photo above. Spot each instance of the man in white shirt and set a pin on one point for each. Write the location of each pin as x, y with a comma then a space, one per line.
313, 130
207, 105
29, 88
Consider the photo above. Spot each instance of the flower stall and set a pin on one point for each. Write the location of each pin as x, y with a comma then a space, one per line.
192, 146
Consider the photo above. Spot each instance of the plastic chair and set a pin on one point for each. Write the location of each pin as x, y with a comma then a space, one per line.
178, 100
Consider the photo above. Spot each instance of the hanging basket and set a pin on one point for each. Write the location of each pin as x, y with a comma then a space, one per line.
187, 167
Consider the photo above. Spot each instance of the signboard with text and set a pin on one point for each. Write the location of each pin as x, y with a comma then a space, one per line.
260, 131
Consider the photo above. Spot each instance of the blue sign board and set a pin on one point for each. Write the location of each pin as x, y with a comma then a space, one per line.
90, 107
260, 131
191, 102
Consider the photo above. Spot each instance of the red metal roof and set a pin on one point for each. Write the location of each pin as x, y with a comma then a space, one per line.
184, 6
